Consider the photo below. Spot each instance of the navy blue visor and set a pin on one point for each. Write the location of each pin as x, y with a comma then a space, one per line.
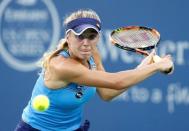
78, 26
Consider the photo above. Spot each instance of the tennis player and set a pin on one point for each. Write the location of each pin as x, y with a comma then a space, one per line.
73, 73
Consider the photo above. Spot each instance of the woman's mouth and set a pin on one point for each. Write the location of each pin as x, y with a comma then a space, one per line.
85, 52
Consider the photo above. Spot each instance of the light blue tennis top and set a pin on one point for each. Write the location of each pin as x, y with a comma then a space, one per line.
65, 110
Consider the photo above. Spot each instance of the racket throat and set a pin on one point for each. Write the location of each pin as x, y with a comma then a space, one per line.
142, 52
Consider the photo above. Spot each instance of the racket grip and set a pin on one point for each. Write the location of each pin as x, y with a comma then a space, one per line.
156, 58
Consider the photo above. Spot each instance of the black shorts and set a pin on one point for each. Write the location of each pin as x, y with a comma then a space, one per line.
23, 126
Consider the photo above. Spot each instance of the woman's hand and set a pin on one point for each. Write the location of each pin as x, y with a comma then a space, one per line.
147, 60
165, 64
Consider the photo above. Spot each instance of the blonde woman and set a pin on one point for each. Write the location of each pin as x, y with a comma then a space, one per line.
73, 73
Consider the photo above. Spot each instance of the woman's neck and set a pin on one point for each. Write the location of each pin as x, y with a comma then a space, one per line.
84, 62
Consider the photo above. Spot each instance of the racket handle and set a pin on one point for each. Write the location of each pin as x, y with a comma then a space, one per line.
156, 58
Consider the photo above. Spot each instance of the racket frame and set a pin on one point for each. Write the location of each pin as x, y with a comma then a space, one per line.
143, 50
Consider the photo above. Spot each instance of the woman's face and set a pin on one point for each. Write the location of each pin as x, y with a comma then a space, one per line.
80, 46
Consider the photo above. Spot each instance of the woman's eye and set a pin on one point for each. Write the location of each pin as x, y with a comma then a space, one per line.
81, 37
86, 36
91, 37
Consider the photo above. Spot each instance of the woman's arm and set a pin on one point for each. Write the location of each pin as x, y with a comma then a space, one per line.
105, 93
68, 70
108, 94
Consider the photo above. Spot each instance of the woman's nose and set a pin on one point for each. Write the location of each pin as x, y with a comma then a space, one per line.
86, 42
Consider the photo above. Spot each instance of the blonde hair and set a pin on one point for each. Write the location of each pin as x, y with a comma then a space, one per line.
63, 45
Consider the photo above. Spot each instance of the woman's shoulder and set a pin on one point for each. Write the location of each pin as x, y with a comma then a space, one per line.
62, 62
65, 67
58, 72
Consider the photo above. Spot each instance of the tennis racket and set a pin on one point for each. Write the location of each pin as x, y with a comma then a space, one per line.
138, 39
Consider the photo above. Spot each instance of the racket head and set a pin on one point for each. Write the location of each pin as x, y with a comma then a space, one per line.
135, 38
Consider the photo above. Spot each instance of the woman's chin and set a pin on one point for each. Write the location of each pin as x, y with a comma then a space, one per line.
86, 55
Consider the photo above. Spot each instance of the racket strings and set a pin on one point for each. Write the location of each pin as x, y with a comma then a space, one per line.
136, 38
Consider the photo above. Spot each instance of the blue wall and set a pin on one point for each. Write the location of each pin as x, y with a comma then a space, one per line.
31, 27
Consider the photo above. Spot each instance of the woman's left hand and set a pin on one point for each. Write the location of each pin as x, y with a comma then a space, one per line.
147, 60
